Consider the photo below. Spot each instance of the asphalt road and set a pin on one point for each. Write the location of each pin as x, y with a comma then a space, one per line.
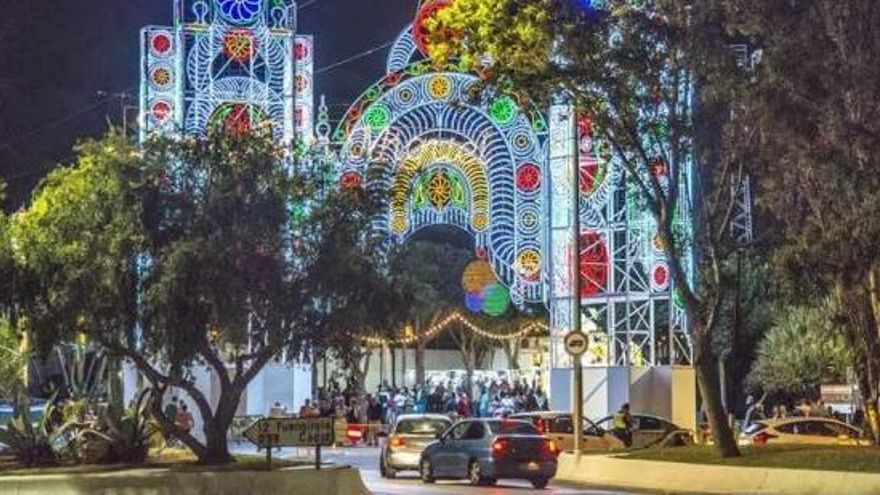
367, 460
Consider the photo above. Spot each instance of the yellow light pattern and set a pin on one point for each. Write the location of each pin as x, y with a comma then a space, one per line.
439, 87
457, 317
452, 154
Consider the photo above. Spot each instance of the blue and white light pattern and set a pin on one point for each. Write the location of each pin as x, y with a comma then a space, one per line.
415, 120
227, 52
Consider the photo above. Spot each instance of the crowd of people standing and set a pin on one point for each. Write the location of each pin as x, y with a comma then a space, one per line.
488, 398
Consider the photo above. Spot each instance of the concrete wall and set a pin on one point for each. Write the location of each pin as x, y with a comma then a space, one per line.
669, 392
290, 385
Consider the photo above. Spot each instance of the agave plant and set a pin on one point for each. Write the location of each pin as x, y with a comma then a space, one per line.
39, 444
121, 435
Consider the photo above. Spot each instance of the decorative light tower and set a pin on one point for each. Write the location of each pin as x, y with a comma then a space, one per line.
238, 63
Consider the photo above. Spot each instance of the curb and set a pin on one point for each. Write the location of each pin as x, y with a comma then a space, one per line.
327, 481
673, 477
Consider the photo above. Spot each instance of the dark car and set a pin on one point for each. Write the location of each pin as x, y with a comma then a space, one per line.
486, 450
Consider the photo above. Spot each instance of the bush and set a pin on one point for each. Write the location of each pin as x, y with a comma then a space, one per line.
35, 445
121, 436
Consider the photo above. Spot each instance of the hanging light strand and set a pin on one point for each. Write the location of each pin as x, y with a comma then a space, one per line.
456, 317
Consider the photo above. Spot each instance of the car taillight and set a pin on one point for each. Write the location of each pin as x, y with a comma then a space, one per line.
397, 441
499, 447
762, 438
552, 448
541, 426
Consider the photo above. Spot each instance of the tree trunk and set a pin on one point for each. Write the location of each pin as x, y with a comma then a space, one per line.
710, 390
216, 442
420, 363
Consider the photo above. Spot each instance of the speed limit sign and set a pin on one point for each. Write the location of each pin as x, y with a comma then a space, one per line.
576, 343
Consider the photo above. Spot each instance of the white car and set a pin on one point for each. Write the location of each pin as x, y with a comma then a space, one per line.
411, 433
809, 431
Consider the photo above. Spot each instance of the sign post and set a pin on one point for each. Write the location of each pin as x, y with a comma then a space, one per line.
290, 432
576, 344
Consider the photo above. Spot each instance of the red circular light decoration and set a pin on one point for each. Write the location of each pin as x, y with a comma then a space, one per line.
351, 180
301, 51
420, 30
528, 177
239, 45
593, 264
660, 277
589, 169
161, 110
393, 78
161, 43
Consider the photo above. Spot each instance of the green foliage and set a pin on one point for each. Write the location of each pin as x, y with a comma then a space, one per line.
12, 360
77, 242
200, 251
802, 350
35, 445
120, 436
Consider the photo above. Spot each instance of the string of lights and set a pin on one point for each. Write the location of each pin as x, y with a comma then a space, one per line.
455, 317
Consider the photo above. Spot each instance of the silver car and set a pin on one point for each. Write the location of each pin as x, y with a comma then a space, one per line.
408, 437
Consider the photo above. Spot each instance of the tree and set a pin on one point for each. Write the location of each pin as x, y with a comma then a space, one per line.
632, 68
199, 252
431, 272
802, 350
815, 109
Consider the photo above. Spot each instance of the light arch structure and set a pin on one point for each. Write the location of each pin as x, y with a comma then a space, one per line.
418, 120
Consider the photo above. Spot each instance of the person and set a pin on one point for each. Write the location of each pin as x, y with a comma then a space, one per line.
276, 411
805, 408
184, 421
170, 411
463, 408
306, 410
374, 420
622, 425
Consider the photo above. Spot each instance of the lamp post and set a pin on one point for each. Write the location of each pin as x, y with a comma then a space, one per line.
578, 371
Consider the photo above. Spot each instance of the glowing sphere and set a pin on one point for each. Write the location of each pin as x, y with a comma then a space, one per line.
496, 300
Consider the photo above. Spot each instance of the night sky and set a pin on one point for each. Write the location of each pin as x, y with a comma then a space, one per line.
64, 60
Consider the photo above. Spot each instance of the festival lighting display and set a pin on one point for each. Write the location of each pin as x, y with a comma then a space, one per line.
231, 63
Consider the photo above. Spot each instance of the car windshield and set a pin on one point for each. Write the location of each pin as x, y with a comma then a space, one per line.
422, 426
512, 428
754, 428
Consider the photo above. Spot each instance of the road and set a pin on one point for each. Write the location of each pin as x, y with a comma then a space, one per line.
367, 460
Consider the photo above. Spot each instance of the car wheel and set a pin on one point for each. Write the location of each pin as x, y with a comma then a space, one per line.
475, 474
387, 471
426, 471
540, 483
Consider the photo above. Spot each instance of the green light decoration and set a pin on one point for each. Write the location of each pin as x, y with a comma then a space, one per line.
677, 299
503, 110
378, 117
496, 300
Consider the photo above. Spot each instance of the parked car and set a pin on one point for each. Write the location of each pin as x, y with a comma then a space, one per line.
818, 431
650, 430
406, 440
559, 426
486, 450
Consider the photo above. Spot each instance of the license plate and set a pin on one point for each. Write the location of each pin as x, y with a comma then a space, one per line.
533, 466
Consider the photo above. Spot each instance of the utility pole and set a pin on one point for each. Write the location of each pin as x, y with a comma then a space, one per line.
124, 97
578, 371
